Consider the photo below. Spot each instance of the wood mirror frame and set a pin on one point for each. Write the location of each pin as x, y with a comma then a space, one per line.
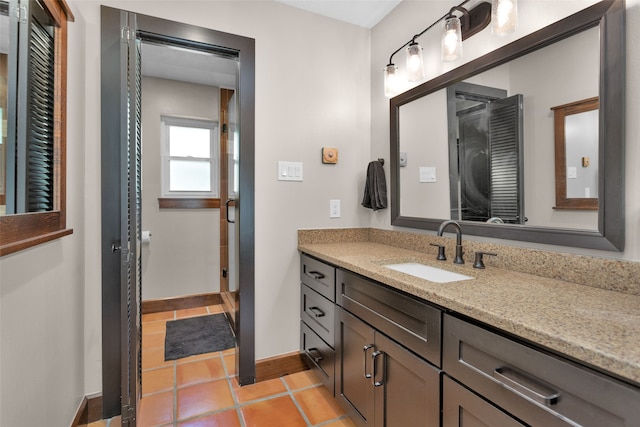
609, 17
559, 114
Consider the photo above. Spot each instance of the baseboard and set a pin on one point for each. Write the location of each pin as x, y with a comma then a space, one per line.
89, 410
277, 366
180, 303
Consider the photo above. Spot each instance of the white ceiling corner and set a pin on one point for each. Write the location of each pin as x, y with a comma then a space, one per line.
365, 13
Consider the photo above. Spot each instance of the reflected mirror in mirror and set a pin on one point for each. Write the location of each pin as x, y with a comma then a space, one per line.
490, 139
576, 142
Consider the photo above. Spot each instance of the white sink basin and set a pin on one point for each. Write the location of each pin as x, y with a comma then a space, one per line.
426, 272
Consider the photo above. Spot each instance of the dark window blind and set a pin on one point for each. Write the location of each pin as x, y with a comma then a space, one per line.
40, 175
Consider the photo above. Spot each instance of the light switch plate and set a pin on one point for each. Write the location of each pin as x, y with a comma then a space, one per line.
427, 174
289, 171
334, 208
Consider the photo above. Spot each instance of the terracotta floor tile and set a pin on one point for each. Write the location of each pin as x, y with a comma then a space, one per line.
195, 357
154, 358
202, 398
101, 423
116, 421
318, 405
230, 364
221, 419
159, 327
154, 317
302, 379
152, 341
157, 380
191, 312
155, 410
277, 412
199, 371
343, 422
258, 390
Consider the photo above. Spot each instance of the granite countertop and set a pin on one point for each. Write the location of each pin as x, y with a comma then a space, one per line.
598, 327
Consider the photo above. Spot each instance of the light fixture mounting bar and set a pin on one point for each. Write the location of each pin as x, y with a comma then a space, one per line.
475, 20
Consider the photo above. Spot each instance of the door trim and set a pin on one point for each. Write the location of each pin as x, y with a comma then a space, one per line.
244, 49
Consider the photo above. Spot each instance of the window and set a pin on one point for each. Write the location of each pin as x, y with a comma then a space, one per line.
32, 160
190, 168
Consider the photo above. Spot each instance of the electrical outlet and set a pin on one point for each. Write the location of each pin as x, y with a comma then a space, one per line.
334, 208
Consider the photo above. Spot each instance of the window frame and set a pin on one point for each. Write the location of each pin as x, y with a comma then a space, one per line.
189, 199
25, 230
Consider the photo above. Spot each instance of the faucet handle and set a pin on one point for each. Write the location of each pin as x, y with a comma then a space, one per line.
478, 263
441, 256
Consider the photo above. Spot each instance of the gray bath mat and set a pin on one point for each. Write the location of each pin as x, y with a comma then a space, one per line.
197, 335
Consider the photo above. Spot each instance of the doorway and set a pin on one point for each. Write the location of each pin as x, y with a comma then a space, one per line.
121, 35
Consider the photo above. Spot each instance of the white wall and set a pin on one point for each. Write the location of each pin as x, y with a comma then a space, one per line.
42, 292
412, 16
183, 257
312, 90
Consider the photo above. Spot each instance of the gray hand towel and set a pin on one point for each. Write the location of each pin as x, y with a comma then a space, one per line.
375, 187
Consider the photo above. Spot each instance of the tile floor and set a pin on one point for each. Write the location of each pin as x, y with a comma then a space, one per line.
202, 390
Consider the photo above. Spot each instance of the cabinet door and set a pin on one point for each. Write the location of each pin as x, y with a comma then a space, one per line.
462, 408
407, 389
354, 347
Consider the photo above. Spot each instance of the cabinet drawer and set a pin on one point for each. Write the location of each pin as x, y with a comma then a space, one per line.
533, 386
318, 313
318, 355
318, 276
409, 321
462, 408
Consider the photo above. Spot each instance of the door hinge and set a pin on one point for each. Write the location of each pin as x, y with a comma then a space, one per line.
127, 34
128, 414
19, 13
125, 256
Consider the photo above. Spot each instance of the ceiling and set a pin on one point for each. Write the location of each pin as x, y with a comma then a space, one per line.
169, 62
365, 13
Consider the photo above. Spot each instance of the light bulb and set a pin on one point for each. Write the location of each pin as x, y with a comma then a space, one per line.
451, 46
504, 16
391, 82
415, 67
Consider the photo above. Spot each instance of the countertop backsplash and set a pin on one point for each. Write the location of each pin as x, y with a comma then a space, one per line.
614, 275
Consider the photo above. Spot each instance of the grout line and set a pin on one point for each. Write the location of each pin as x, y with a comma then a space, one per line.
295, 402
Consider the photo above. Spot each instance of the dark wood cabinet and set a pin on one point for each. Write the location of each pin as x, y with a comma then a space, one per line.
463, 408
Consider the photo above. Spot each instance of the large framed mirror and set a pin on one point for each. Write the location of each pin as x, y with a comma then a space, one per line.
447, 163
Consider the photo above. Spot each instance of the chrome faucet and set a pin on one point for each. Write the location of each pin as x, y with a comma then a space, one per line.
458, 259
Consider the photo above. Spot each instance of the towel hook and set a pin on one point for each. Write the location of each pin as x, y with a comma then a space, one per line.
381, 160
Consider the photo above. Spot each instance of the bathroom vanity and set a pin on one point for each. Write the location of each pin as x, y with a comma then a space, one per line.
504, 347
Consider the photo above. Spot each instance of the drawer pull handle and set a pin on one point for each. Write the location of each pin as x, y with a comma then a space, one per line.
365, 349
316, 275
314, 354
374, 356
526, 386
316, 312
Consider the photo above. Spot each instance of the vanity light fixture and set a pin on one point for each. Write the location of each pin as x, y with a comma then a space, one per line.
451, 44
455, 30
504, 16
415, 65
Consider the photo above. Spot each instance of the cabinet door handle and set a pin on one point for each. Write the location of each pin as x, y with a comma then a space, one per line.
525, 386
316, 311
374, 356
316, 275
314, 354
365, 349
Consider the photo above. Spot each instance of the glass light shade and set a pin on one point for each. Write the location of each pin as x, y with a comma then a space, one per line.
391, 81
415, 66
451, 47
504, 16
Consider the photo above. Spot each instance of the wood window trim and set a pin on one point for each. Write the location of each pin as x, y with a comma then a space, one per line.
188, 203
22, 231
560, 113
